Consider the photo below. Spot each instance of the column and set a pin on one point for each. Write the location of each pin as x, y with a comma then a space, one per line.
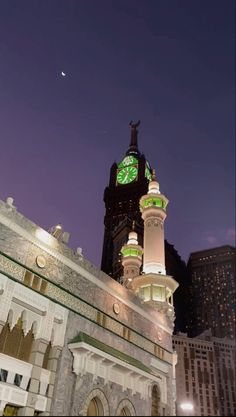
36, 358
2, 406
54, 357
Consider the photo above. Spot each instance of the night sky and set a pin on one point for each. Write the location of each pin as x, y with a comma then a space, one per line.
169, 63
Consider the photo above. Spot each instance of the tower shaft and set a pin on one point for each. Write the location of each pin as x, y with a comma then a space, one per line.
154, 254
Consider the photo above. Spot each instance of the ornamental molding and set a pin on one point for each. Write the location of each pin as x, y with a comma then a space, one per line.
153, 222
47, 319
89, 360
46, 327
9, 267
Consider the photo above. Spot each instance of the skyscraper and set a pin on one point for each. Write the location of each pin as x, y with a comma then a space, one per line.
128, 183
205, 375
212, 274
176, 267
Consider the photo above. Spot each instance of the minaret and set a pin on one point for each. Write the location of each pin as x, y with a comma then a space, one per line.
154, 286
153, 209
131, 258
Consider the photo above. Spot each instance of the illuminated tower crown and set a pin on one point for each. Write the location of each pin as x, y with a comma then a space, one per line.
131, 258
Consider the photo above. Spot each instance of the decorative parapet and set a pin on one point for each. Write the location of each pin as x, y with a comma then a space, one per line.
46, 318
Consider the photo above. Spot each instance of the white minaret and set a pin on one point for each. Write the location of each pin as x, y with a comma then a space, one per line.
153, 209
154, 286
131, 258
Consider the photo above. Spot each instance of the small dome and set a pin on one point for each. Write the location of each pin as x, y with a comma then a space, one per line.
133, 238
153, 187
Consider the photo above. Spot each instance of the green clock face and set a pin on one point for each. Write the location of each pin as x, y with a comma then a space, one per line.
127, 175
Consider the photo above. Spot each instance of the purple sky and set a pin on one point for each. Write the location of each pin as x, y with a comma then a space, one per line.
169, 63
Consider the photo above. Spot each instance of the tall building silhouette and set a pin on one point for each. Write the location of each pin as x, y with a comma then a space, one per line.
128, 182
176, 267
212, 275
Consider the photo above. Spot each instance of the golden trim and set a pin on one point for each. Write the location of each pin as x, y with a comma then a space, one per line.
41, 261
116, 308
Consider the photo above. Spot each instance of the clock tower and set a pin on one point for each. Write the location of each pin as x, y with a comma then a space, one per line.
128, 183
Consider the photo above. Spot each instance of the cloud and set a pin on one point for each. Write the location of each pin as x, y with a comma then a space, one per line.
220, 237
211, 239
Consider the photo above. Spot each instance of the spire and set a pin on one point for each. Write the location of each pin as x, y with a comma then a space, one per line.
133, 147
153, 187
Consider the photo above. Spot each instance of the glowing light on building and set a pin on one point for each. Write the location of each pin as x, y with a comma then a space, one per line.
186, 406
44, 236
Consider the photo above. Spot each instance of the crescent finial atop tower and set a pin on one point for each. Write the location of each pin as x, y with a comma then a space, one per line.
133, 147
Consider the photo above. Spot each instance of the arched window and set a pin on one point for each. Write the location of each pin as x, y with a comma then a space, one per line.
26, 347
14, 343
95, 407
155, 401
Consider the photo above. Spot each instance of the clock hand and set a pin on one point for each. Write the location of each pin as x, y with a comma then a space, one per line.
126, 176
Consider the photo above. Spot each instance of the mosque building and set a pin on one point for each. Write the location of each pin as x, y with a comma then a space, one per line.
74, 341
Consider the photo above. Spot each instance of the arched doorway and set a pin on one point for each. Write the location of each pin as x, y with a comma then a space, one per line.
125, 412
95, 404
125, 408
95, 407
155, 401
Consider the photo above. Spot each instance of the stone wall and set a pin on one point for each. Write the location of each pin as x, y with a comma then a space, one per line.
26, 252
71, 391
74, 276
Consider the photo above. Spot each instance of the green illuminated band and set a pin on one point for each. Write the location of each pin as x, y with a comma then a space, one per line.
154, 201
131, 252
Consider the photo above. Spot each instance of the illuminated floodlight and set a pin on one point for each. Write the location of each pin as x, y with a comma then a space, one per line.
44, 236
186, 406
